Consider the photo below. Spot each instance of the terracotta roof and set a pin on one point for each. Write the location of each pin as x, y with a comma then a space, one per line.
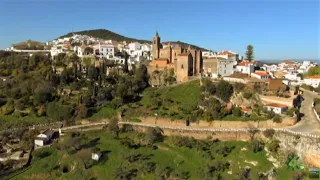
225, 53
275, 84
245, 63
261, 73
239, 75
244, 109
276, 105
313, 77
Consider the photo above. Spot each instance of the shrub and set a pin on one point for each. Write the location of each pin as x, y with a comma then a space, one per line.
273, 146
277, 118
153, 135
247, 95
269, 133
257, 145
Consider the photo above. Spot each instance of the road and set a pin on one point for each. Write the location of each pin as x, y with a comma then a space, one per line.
309, 122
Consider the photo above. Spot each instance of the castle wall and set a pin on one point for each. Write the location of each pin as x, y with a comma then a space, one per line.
165, 53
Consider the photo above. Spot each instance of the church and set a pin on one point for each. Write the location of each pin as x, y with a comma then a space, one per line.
186, 62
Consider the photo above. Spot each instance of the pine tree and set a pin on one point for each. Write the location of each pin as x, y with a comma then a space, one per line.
250, 53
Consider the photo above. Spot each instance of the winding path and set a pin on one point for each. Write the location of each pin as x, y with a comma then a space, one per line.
309, 122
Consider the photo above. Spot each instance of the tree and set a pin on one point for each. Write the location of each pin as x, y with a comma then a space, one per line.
92, 73
237, 112
224, 90
153, 135
314, 71
257, 145
238, 87
88, 50
274, 145
250, 53
269, 133
113, 126
277, 118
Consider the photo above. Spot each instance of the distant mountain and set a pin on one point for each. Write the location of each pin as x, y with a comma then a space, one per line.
109, 35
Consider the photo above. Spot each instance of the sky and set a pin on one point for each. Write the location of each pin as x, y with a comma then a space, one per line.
278, 29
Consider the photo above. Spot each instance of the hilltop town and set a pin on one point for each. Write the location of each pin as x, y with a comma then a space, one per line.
74, 96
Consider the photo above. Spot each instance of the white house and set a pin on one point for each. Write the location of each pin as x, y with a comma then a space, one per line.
96, 156
276, 108
229, 55
55, 51
245, 67
43, 138
292, 76
104, 50
225, 67
313, 81
260, 75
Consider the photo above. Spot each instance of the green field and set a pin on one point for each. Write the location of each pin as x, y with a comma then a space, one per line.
182, 161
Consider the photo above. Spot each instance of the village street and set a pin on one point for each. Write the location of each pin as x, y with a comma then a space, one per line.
309, 122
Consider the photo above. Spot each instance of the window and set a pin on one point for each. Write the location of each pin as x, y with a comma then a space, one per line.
225, 71
181, 66
225, 65
154, 41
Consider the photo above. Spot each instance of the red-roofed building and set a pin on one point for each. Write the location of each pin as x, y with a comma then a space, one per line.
246, 110
228, 55
245, 67
276, 107
260, 75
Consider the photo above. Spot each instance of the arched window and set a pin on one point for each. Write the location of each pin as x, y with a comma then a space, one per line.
181, 66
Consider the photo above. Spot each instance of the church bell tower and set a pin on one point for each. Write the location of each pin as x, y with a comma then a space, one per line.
156, 46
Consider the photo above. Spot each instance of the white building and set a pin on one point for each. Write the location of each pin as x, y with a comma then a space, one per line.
43, 138
208, 54
313, 81
276, 108
104, 50
225, 67
55, 51
245, 67
270, 68
292, 76
229, 55
260, 75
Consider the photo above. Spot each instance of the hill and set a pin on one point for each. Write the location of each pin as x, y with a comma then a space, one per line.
29, 45
107, 35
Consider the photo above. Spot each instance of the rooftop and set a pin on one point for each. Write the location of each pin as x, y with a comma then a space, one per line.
245, 63
261, 73
313, 77
276, 105
244, 109
226, 53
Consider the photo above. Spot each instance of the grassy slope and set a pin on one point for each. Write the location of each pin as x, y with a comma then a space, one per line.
166, 155
187, 93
